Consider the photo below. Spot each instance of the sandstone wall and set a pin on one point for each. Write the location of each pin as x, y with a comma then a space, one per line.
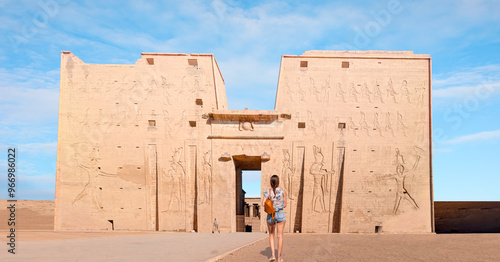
152, 146
368, 116
130, 139
467, 217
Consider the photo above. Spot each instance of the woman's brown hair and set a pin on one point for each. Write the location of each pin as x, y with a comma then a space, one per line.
275, 182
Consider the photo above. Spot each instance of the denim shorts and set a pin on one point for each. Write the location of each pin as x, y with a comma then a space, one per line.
279, 217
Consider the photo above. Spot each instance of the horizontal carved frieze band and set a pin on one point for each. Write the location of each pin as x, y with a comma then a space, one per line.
246, 137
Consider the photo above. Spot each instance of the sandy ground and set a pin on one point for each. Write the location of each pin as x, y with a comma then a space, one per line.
30, 214
123, 246
154, 246
42, 235
37, 242
373, 247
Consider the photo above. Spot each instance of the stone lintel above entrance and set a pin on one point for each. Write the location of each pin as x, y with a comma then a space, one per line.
253, 116
245, 137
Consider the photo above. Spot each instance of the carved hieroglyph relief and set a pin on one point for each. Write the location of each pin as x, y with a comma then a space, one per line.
327, 90
363, 125
247, 126
403, 169
167, 90
421, 124
376, 124
391, 92
405, 93
206, 183
341, 93
176, 178
302, 92
313, 90
388, 124
287, 173
184, 85
352, 126
420, 94
401, 125
353, 93
93, 172
355, 125
321, 181
181, 123
377, 93
366, 93
317, 127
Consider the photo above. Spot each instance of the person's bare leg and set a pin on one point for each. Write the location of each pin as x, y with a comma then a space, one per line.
271, 238
280, 228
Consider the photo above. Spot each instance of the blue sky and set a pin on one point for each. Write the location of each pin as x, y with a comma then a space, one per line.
248, 39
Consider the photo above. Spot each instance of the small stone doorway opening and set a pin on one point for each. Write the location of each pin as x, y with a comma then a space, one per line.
247, 209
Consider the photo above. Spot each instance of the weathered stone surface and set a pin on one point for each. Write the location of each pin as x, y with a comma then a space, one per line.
153, 146
467, 216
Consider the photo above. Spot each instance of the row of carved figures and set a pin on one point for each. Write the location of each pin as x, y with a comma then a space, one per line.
328, 92
125, 117
139, 90
382, 124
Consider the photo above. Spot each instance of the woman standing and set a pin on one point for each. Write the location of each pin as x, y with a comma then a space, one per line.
278, 196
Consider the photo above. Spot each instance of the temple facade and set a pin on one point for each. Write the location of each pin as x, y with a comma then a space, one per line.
153, 146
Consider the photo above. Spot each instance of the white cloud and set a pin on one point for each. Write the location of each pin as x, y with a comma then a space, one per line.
35, 149
39, 149
481, 136
468, 76
26, 106
29, 97
28, 78
482, 82
482, 91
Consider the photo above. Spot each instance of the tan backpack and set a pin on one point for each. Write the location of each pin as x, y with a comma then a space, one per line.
268, 206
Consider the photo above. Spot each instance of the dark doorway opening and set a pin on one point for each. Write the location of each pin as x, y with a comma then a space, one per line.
112, 224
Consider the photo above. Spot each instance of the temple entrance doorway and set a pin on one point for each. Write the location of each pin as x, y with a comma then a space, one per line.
247, 208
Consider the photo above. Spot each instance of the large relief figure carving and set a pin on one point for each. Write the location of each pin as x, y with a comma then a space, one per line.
206, 178
287, 173
321, 181
403, 169
93, 172
176, 177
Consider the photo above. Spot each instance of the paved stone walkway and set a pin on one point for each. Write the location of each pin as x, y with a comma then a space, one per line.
137, 247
